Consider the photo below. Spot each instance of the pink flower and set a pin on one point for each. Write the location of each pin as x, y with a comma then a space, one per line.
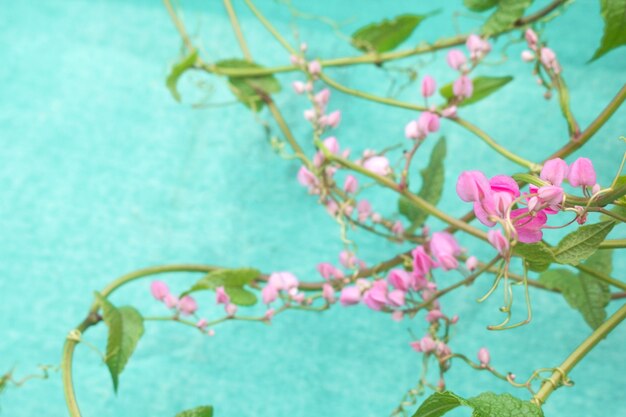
378, 165
332, 144
434, 315
348, 259
396, 298
456, 59
397, 228
427, 122
349, 296
554, 171
422, 263
315, 68
328, 271
445, 249
202, 323
449, 112
426, 345
269, 314
428, 86
187, 305
269, 294
309, 115
295, 60
472, 186
230, 309
364, 209
283, 281
299, 87
400, 279
159, 290
322, 97
471, 263
411, 130
551, 195
498, 241
307, 178
484, 357
548, 58
528, 56
531, 38
332, 207
529, 227
477, 46
503, 191
376, 297
220, 296
170, 301
463, 87
351, 184
333, 119
328, 292
582, 173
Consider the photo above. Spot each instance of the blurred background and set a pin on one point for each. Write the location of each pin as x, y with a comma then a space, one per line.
102, 172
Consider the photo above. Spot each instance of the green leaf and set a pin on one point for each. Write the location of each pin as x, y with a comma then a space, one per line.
582, 292
538, 255
233, 281
483, 87
506, 14
386, 35
439, 404
480, 5
582, 243
250, 90
489, 404
204, 411
614, 15
432, 186
125, 329
178, 69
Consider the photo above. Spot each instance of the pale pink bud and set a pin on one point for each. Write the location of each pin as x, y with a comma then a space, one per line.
445, 249
328, 292
471, 263
548, 58
299, 87
351, 184
472, 186
332, 207
396, 298
376, 217
449, 111
434, 315
220, 296
582, 173
350, 296
298, 297
295, 60
307, 178
283, 281
533, 202
454, 319
187, 305
333, 119
332, 144
498, 241
531, 38
318, 159
315, 67
400, 279
428, 86
427, 122
397, 228
422, 263
347, 259
170, 301
595, 189
321, 98
477, 46
528, 56
269, 294
378, 165
484, 357
159, 290
328, 271
202, 323
211, 332
411, 130
463, 87
554, 171
365, 209
456, 59
309, 115
230, 309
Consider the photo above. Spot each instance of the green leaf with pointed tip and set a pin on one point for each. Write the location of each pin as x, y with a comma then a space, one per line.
439, 404
250, 90
433, 177
125, 329
177, 70
489, 404
233, 281
240, 296
538, 256
483, 87
506, 14
204, 411
582, 243
480, 5
614, 15
386, 35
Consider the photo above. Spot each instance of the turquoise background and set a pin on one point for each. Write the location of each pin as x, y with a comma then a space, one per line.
101, 173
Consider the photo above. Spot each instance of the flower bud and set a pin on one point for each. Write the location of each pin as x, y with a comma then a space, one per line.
315, 67
378, 165
220, 296
269, 294
328, 292
554, 171
187, 305
472, 186
484, 357
528, 56
159, 290
351, 184
471, 263
230, 309
582, 173
531, 38
498, 241
456, 59
349, 296
428, 86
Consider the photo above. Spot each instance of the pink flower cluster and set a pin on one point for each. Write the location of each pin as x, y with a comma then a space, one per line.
546, 56
185, 306
285, 284
494, 199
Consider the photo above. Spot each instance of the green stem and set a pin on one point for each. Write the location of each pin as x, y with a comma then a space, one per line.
581, 351
601, 276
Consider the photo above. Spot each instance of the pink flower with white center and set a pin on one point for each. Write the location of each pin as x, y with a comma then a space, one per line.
428, 86
220, 296
400, 279
328, 271
159, 290
351, 184
498, 241
463, 87
269, 294
396, 298
422, 262
445, 249
378, 165
554, 171
231, 309
456, 59
284, 281
350, 295
170, 301
364, 208
484, 357
187, 305
328, 292
315, 68
376, 297
582, 173
471, 263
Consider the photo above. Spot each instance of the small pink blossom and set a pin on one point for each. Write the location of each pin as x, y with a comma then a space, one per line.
548, 58
351, 184
445, 249
378, 165
315, 68
202, 323
350, 295
397, 315
456, 59
376, 297
364, 208
582, 173
428, 86
328, 292
231, 309
347, 259
426, 345
269, 314
551, 195
498, 241
554, 171
269, 294
463, 87
528, 56
322, 97
187, 305
531, 38
298, 87
449, 112
412, 130
396, 298
434, 315
284, 281
220, 296
170, 301
159, 290
397, 228
471, 263
484, 357
328, 271
427, 122
422, 263
477, 46
333, 119
528, 227
400, 279
307, 178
